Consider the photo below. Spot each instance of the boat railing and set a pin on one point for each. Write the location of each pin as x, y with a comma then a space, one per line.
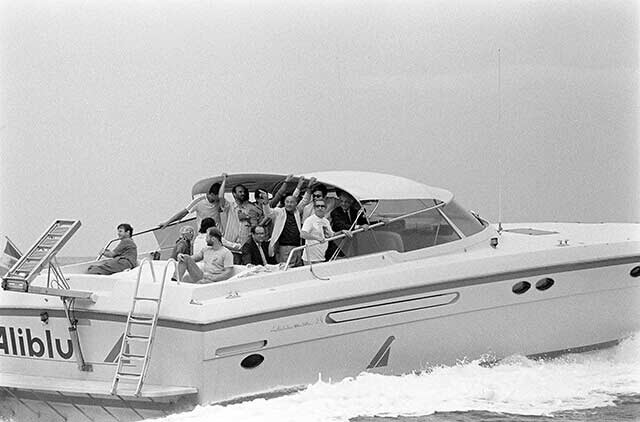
361, 229
147, 231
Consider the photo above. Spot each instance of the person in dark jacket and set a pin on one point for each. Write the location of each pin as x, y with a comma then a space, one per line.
344, 218
255, 250
347, 214
123, 257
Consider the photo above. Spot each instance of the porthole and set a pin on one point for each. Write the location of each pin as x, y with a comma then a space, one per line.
521, 287
252, 361
544, 283
635, 272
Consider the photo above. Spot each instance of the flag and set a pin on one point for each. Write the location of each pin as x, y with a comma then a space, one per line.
9, 257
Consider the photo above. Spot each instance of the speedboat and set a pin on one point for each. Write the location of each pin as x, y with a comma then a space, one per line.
424, 283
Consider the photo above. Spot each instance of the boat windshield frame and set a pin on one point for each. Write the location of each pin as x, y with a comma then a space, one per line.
438, 206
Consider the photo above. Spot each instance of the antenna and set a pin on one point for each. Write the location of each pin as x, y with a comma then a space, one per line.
499, 131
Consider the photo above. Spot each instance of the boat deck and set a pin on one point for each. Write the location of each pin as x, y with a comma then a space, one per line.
83, 387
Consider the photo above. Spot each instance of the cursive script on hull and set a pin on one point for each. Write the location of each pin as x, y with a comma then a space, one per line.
18, 341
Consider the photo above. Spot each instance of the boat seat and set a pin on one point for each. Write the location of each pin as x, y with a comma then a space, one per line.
374, 241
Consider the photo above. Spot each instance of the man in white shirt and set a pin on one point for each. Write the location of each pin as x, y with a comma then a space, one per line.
315, 230
218, 261
319, 193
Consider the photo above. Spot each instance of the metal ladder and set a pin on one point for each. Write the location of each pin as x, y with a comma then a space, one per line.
135, 319
39, 256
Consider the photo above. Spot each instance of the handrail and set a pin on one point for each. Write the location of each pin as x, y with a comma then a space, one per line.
175, 269
144, 232
361, 229
153, 274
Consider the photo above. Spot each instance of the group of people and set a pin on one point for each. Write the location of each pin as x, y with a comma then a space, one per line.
262, 232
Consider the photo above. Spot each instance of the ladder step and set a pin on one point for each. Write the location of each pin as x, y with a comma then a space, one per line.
14, 279
16, 285
133, 355
141, 321
151, 299
137, 337
22, 271
142, 317
128, 375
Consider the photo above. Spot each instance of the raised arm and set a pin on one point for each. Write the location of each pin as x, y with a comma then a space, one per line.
267, 209
298, 189
281, 191
177, 217
223, 187
182, 213
306, 198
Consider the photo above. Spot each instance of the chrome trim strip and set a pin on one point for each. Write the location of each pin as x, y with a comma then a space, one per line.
390, 308
241, 348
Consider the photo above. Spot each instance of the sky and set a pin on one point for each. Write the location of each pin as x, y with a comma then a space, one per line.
110, 111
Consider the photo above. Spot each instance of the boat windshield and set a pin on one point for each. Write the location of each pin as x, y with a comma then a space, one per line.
410, 224
462, 219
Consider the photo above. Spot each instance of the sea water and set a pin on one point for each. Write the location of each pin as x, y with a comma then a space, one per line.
602, 385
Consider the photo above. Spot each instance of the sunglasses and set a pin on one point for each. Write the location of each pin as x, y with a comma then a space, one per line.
321, 206
317, 195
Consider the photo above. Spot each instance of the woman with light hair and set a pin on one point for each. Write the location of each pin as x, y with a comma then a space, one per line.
183, 243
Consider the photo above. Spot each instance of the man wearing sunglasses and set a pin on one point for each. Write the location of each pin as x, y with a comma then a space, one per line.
319, 192
315, 230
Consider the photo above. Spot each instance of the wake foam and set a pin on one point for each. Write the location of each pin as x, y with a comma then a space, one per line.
516, 385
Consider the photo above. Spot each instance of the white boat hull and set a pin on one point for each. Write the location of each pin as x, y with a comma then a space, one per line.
385, 314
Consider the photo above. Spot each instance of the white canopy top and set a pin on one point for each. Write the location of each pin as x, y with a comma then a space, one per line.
361, 185
365, 186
